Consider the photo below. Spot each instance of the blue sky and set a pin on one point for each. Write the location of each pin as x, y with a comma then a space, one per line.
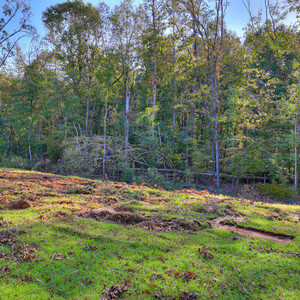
236, 14
236, 18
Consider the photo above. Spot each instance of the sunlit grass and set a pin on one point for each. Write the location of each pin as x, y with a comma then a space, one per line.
151, 263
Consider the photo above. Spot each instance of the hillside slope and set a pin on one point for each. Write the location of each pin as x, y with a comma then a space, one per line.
72, 238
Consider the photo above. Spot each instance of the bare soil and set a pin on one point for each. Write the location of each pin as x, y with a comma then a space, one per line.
249, 232
107, 213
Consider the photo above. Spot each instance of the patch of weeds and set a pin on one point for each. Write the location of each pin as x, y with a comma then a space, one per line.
276, 191
80, 190
229, 222
18, 250
200, 209
4, 223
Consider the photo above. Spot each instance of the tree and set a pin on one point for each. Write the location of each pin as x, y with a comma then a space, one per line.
279, 42
77, 31
15, 12
126, 29
210, 27
155, 10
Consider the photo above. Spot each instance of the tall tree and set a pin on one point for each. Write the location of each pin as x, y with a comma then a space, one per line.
210, 27
14, 25
155, 10
126, 30
77, 30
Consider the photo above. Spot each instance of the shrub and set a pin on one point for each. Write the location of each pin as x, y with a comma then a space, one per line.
127, 173
14, 161
276, 190
42, 166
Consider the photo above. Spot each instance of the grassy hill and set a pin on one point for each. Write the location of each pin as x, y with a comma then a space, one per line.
72, 238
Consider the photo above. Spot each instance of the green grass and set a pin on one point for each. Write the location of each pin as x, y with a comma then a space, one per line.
151, 263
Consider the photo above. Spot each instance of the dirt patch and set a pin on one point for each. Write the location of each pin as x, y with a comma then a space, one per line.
17, 181
192, 192
232, 224
110, 214
157, 224
121, 216
20, 204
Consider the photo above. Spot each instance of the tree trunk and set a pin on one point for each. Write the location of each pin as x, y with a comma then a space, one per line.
154, 68
173, 130
210, 131
174, 94
88, 107
98, 119
104, 146
66, 131
265, 164
214, 96
77, 140
92, 115
6, 135
127, 121
29, 137
296, 152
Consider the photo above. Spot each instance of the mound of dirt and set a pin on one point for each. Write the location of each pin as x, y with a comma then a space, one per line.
192, 192
110, 214
157, 224
20, 204
107, 213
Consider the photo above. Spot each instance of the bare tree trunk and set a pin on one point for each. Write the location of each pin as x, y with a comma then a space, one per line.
104, 146
296, 164
154, 67
187, 139
127, 121
92, 115
77, 138
265, 163
66, 131
210, 132
29, 146
6, 135
173, 131
195, 79
98, 119
296, 152
174, 94
38, 127
88, 106
214, 96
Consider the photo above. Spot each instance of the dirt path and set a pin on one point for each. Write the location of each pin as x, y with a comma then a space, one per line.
248, 232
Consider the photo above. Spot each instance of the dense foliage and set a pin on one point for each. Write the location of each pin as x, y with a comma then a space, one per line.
164, 85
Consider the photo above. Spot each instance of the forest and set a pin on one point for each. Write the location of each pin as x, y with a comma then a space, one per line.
161, 91
149, 151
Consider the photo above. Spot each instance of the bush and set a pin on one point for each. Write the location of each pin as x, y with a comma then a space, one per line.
42, 166
154, 178
127, 173
55, 147
15, 162
276, 190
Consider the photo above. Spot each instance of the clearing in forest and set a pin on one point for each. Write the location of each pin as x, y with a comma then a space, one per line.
71, 238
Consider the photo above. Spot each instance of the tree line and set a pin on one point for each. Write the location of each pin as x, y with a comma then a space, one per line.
161, 85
